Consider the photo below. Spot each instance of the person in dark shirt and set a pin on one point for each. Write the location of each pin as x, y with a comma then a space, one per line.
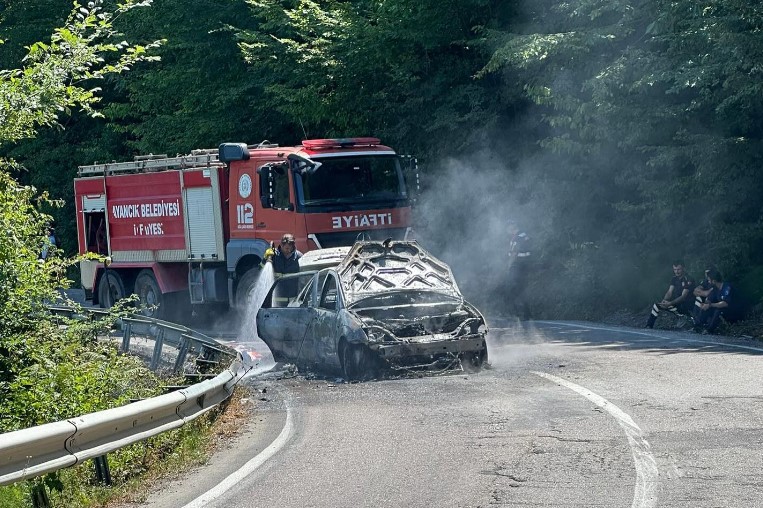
285, 260
720, 302
520, 269
678, 298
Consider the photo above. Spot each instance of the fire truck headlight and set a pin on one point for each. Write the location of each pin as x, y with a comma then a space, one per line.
107, 261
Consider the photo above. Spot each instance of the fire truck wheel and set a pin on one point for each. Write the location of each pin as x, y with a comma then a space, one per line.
245, 286
110, 289
149, 294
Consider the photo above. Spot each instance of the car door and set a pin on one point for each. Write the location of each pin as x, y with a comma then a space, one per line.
284, 328
324, 328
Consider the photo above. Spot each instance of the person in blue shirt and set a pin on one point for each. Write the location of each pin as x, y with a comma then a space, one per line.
704, 288
720, 302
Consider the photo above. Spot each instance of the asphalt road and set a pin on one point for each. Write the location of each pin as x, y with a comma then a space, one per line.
568, 415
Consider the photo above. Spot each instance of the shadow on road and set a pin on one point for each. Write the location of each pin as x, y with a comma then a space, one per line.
505, 331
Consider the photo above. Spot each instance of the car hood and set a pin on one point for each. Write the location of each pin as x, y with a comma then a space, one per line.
374, 268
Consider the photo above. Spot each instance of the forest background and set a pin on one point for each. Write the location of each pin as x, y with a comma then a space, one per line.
620, 135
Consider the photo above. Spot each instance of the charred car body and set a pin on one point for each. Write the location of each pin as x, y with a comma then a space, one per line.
386, 305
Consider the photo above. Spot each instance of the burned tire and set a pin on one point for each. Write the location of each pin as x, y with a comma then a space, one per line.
358, 363
111, 288
151, 299
473, 361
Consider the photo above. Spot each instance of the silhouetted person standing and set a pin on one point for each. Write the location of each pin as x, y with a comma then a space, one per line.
520, 268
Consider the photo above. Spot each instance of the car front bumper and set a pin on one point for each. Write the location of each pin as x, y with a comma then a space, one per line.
419, 350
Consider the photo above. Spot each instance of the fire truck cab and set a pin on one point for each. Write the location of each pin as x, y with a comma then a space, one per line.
192, 230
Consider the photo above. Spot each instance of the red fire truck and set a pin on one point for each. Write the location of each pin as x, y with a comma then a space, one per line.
193, 229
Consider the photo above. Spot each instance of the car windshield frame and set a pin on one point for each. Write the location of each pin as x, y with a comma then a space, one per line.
352, 180
444, 298
300, 296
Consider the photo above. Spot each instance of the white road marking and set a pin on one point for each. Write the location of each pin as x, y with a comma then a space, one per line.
645, 490
248, 468
652, 335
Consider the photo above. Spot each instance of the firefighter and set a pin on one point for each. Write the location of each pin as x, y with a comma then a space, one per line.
285, 260
678, 298
704, 288
721, 302
520, 261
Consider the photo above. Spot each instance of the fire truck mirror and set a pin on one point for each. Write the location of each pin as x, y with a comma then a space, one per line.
228, 152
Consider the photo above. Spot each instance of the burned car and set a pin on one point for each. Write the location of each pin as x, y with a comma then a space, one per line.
386, 306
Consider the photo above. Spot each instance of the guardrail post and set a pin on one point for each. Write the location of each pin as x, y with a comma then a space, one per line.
182, 353
40, 495
102, 473
126, 333
157, 356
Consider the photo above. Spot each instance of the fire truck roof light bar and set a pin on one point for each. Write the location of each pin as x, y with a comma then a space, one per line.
318, 144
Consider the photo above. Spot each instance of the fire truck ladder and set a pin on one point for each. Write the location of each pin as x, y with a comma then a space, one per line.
196, 281
149, 163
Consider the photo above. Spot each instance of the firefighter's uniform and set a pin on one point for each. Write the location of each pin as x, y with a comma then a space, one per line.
282, 265
684, 308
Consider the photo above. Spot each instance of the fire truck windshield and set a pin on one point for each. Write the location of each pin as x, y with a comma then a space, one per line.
359, 180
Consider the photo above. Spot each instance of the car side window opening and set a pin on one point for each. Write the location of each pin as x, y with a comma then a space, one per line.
329, 294
307, 293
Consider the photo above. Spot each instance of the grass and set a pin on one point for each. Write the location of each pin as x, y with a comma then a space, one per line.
136, 468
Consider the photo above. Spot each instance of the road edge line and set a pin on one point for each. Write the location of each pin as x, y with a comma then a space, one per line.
645, 489
255, 462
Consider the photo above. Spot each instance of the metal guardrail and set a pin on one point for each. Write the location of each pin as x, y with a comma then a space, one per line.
45, 448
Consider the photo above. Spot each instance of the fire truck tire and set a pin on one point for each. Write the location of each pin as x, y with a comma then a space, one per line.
150, 296
245, 286
110, 289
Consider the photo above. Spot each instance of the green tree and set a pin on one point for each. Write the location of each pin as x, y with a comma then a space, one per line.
39, 363
402, 70
658, 106
201, 93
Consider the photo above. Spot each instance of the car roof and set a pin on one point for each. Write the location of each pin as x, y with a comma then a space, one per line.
322, 258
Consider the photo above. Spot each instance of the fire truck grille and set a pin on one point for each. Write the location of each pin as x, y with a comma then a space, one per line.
343, 238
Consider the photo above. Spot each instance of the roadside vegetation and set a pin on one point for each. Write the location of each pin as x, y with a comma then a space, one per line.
52, 368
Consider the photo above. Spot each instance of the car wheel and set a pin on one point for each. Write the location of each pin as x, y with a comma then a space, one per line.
111, 288
358, 363
473, 361
150, 296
